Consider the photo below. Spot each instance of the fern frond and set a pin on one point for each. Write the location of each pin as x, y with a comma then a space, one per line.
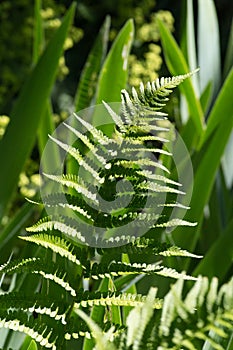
175, 223
176, 251
96, 133
36, 303
75, 204
134, 154
58, 245
94, 150
40, 332
102, 342
100, 271
18, 265
139, 140
153, 186
113, 298
172, 273
82, 161
60, 280
116, 118
145, 150
74, 182
149, 175
148, 246
199, 317
46, 269
141, 162
153, 95
138, 319
46, 224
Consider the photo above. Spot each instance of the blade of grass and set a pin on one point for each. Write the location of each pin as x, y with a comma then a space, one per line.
19, 137
85, 94
115, 310
13, 228
222, 108
47, 127
208, 45
191, 45
28, 344
114, 73
177, 64
132, 289
38, 39
187, 134
47, 124
211, 265
228, 64
207, 162
97, 314
229, 53
227, 163
89, 77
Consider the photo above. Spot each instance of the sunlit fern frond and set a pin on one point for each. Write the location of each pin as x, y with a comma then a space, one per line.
100, 271
154, 95
132, 154
87, 299
59, 245
120, 191
47, 269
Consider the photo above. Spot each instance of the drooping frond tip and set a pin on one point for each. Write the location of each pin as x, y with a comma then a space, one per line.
154, 95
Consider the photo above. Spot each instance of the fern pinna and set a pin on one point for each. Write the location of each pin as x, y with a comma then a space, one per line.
98, 223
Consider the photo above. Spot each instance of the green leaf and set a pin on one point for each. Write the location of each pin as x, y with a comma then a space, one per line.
47, 124
97, 314
206, 97
13, 228
114, 73
47, 127
229, 54
88, 83
227, 164
38, 41
207, 161
218, 259
188, 47
132, 289
191, 45
28, 344
177, 64
25, 117
101, 342
222, 108
89, 77
208, 45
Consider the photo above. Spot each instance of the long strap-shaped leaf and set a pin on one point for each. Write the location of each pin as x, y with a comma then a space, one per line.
219, 126
25, 117
177, 65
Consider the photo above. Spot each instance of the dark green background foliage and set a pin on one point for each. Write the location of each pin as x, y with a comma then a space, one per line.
16, 23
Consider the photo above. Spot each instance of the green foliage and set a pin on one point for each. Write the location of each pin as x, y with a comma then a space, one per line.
37, 87
57, 280
16, 60
139, 121
208, 145
199, 319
